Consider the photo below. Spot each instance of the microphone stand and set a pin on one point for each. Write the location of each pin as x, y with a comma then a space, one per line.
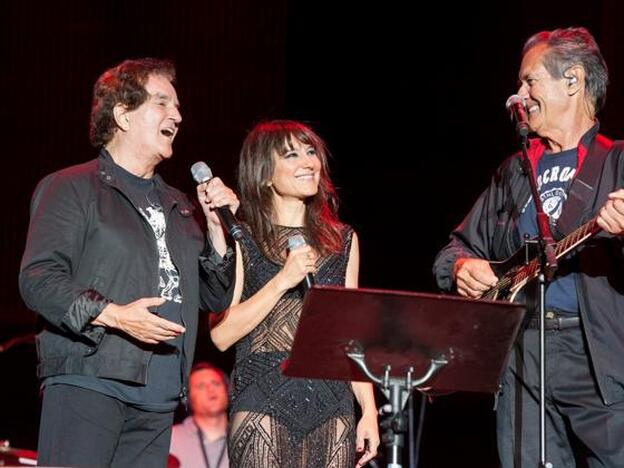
548, 267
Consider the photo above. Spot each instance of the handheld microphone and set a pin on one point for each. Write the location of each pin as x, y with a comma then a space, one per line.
202, 173
517, 108
295, 242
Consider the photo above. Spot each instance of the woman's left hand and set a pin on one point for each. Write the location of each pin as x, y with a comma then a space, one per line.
367, 438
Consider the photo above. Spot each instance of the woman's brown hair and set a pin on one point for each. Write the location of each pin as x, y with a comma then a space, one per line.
322, 227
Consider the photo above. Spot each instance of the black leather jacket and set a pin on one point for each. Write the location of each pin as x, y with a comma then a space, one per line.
87, 246
489, 232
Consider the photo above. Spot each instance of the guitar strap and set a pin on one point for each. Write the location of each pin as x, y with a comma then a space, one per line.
581, 193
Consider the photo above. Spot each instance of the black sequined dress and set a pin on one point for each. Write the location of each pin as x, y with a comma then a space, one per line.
278, 421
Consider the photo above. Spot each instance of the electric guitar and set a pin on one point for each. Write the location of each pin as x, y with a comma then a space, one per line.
515, 276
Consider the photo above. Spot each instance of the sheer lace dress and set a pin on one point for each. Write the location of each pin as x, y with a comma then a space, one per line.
278, 421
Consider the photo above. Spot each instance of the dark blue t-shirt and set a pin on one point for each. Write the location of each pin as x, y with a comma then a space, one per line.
554, 176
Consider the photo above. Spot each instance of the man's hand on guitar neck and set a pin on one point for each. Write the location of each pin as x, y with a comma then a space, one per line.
473, 276
611, 215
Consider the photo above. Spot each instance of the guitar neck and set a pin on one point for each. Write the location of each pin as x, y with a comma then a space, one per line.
565, 245
530, 270
576, 237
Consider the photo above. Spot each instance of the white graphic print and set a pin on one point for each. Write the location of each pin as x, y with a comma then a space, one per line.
552, 202
553, 198
555, 174
169, 283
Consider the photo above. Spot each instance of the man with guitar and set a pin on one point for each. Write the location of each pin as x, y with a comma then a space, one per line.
580, 175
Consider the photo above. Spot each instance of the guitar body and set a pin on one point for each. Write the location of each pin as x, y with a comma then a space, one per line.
508, 272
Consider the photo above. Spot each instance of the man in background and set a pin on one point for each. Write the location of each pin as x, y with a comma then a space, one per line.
200, 441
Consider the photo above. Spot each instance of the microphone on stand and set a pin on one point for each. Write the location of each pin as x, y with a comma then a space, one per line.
295, 242
202, 173
517, 108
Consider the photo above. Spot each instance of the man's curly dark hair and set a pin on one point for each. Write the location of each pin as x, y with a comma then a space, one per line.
122, 84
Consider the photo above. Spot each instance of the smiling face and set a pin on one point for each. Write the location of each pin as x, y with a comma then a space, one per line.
152, 127
547, 98
208, 393
296, 172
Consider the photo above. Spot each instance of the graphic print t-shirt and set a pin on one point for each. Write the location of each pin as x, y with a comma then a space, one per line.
554, 176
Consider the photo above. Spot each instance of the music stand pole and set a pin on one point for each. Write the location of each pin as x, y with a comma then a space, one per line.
397, 391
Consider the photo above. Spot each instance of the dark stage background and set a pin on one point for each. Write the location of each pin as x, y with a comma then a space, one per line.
411, 104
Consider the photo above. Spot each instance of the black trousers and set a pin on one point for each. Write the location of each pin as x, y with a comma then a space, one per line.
581, 431
83, 428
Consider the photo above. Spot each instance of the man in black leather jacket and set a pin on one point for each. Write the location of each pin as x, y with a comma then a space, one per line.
117, 266
580, 175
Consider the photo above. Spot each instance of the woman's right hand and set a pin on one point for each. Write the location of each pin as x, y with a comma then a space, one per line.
300, 261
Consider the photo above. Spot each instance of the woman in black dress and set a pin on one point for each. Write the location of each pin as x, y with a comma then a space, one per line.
279, 421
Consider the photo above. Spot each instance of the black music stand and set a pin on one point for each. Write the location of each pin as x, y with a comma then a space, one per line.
401, 341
